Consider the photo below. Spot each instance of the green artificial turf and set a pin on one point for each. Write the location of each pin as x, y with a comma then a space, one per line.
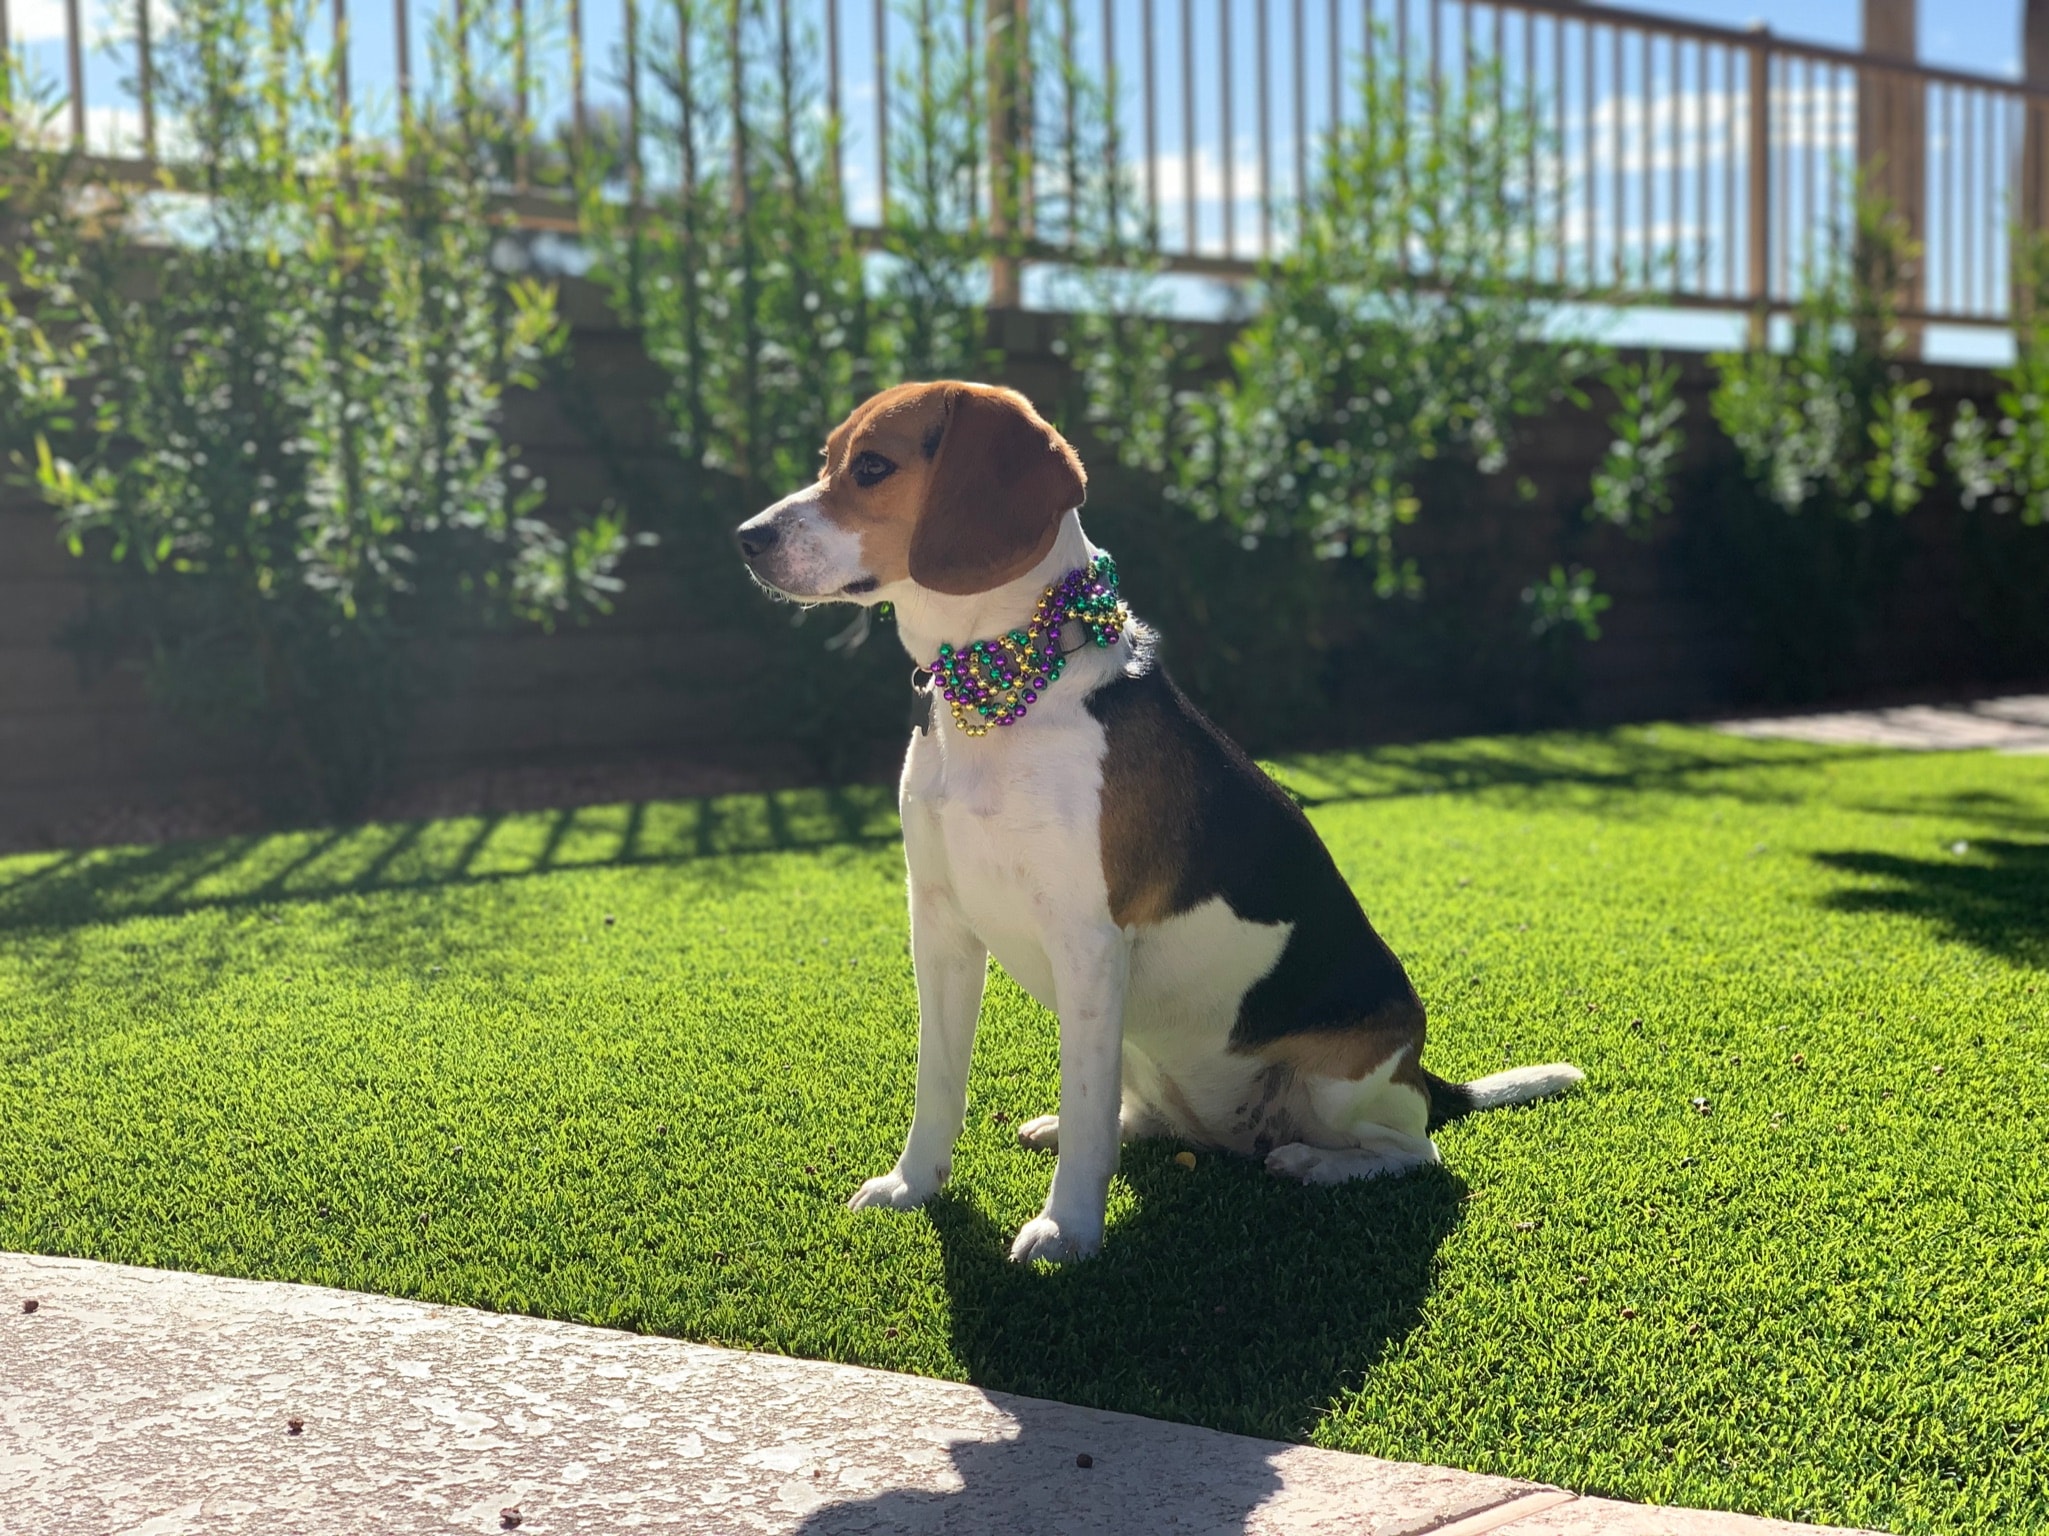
624, 1065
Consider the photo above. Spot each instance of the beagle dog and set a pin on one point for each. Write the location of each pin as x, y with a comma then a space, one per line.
1066, 809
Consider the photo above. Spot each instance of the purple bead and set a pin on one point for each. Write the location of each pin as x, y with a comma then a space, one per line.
1003, 719
1018, 713
1030, 697
948, 696
1037, 682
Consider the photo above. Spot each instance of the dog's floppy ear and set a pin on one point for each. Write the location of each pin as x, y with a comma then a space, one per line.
998, 486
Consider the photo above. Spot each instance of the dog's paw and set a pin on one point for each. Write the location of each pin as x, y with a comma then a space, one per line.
1041, 1135
891, 1192
1045, 1238
1299, 1160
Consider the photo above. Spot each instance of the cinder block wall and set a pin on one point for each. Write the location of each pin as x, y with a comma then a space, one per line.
661, 681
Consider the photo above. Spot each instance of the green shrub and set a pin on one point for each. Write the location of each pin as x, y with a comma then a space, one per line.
2004, 461
1833, 424
276, 402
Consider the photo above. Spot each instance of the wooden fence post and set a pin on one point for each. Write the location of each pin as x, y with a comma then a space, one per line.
1759, 216
1892, 138
2033, 202
1005, 42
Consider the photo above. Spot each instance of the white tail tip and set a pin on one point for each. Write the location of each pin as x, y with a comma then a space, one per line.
1519, 1085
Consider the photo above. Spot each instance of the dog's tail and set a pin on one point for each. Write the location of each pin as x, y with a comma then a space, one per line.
1518, 1085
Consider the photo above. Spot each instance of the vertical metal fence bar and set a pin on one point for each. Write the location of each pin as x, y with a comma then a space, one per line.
1071, 150
1152, 130
1757, 164
1367, 58
146, 84
1995, 145
686, 96
1262, 105
1401, 55
1782, 174
1676, 130
1500, 68
1188, 124
1618, 101
880, 14
835, 125
1531, 131
1953, 233
631, 21
74, 68
1590, 147
1966, 284
1812, 175
1334, 35
1301, 62
1026, 145
402, 48
1229, 149
341, 79
1112, 137
6, 54
1702, 140
1732, 149
577, 114
736, 105
1982, 173
523, 86
973, 64
1649, 137
1436, 63
1561, 190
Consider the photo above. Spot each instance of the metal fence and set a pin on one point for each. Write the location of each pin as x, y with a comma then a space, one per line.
1681, 164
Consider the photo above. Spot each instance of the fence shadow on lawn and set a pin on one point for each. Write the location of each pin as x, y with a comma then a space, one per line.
1225, 1298
1994, 895
66, 890
1606, 767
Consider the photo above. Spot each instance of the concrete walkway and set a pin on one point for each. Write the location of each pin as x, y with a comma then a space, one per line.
2019, 723
152, 1403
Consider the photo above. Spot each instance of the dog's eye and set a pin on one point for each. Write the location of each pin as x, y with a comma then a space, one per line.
871, 469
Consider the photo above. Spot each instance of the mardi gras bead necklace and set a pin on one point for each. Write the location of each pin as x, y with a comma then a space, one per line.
993, 682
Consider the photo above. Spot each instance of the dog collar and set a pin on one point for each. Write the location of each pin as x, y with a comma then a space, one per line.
992, 682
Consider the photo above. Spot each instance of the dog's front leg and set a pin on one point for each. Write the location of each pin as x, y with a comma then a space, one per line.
1090, 968
952, 966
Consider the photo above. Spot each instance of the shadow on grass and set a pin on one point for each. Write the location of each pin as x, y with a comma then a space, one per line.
1994, 895
1616, 763
55, 891
1225, 1298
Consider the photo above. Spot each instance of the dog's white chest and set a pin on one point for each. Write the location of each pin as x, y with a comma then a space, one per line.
1013, 828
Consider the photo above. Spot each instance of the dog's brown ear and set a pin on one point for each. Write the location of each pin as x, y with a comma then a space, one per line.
998, 487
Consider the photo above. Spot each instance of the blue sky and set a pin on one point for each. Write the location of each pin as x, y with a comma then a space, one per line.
1979, 35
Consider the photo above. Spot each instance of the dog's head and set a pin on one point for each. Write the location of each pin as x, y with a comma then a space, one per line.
956, 488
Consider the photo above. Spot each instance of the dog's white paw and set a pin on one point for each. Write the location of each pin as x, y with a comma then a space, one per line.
1296, 1160
891, 1192
1339, 1165
1042, 1134
1045, 1238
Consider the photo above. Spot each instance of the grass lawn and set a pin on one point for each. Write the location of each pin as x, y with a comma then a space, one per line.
624, 1065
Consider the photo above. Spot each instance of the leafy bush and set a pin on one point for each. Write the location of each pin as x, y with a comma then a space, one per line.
2004, 461
1833, 423
274, 406
1400, 329
1828, 433
1632, 488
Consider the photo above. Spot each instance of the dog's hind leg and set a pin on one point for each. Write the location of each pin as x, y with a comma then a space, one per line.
1380, 1153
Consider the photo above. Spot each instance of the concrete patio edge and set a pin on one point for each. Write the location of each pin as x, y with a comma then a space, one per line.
154, 1402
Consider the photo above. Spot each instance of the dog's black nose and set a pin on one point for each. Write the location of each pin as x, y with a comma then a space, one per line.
756, 539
